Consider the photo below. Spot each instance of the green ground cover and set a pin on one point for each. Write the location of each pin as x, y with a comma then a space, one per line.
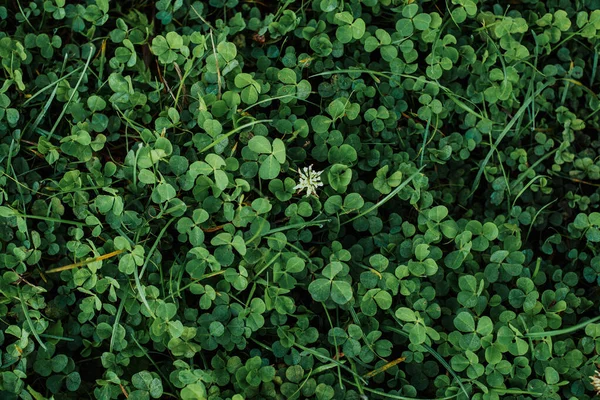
327, 199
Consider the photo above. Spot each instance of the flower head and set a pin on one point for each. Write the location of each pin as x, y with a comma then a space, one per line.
309, 180
595, 380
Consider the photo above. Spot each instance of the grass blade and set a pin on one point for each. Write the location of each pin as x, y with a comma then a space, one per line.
395, 396
85, 262
231, 132
431, 351
299, 225
436, 355
142, 291
386, 198
594, 68
145, 351
465, 107
558, 332
116, 323
385, 367
29, 321
49, 101
55, 83
390, 75
331, 360
515, 391
66, 339
506, 129
155, 245
535, 217
50, 219
425, 135
64, 110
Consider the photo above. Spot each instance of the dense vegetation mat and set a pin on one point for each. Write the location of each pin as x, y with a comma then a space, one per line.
327, 199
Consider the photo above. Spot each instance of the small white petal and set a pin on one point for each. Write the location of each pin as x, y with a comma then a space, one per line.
310, 180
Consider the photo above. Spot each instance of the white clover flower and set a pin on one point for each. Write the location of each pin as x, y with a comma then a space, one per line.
309, 180
595, 380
